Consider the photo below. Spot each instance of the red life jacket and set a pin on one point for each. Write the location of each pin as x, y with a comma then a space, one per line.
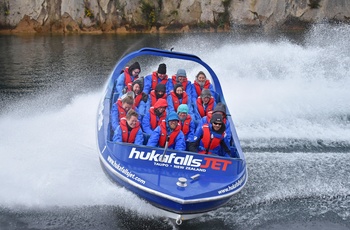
155, 80
121, 110
185, 127
153, 97
176, 100
209, 143
127, 80
184, 83
125, 132
198, 89
200, 106
153, 118
164, 134
129, 87
137, 99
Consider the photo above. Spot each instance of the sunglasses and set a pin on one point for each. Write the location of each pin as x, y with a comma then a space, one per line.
215, 123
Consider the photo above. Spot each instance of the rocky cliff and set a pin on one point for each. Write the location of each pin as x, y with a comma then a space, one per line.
122, 16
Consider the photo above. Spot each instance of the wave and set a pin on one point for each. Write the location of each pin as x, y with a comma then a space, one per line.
51, 159
283, 92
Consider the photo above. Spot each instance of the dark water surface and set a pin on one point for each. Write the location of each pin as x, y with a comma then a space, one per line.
288, 94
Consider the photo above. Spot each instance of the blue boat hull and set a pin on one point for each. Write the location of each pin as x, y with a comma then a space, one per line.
156, 181
210, 180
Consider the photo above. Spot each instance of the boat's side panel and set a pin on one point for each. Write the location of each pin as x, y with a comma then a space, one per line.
141, 170
166, 204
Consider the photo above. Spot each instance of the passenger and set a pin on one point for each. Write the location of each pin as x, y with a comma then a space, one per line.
128, 76
155, 95
188, 126
220, 108
210, 138
203, 104
154, 117
201, 82
178, 97
140, 97
157, 77
168, 131
129, 129
120, 108
181, 78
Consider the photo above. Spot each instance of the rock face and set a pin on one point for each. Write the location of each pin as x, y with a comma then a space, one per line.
75, 16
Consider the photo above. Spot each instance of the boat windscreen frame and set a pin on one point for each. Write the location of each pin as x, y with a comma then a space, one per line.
175, 55
169, 54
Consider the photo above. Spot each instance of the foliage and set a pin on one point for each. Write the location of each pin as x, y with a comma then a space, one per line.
69, 28
160, 4
226, 3
149, 13
120, 7
224, 18
203, 25
174, 12
6, 7
314, 4
88, 13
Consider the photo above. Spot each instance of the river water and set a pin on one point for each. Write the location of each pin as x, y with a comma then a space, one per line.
288, 94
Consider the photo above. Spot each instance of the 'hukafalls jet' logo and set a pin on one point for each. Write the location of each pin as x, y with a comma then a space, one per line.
187, 161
